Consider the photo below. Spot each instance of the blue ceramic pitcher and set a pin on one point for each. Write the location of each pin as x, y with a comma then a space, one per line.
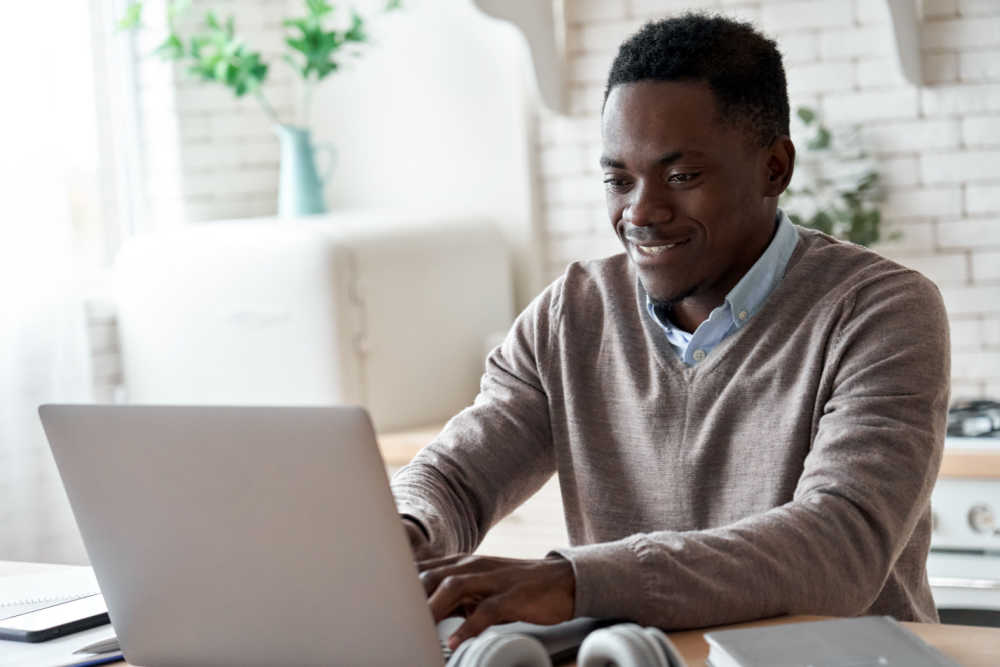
300, 186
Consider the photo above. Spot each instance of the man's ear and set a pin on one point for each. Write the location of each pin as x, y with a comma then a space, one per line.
780, 163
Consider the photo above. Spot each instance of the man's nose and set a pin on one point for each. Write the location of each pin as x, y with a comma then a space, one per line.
648, 205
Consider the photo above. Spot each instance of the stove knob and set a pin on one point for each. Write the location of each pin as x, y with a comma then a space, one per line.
982, 520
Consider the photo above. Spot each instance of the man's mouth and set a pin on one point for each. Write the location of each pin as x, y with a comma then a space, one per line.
657, 249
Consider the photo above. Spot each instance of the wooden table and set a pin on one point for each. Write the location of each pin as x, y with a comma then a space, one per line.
969, 463
399, 447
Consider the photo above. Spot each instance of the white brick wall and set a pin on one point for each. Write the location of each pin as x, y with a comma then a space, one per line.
938, 145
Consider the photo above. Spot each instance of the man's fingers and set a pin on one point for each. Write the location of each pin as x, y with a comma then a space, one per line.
440, 561
433, 574
489, 612
461, 590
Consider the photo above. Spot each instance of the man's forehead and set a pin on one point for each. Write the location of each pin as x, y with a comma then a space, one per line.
657, 108
644, 101
662, 117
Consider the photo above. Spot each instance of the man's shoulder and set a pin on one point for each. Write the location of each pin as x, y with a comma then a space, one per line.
832, 274
842, 268
590, 282
596, 287
615, 269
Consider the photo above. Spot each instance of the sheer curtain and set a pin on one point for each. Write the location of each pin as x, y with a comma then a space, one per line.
47, 143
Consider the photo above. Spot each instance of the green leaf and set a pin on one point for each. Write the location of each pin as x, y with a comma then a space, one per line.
356, 32
821, 141
171, 49
823, 221
175, 9
867, 181
393, 4
318, 8
297, 44
806, 114
132, 18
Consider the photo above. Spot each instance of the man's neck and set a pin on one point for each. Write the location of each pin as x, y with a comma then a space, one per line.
688, 314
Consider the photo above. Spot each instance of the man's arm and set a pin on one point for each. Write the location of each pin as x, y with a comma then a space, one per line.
491, 456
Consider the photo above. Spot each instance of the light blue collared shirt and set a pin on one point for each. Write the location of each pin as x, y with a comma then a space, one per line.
742, 302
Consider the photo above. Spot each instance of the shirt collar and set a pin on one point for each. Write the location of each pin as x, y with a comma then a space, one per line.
746, 298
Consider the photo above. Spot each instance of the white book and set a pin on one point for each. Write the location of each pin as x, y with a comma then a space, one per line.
868, 641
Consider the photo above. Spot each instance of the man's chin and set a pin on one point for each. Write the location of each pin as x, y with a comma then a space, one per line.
666, 296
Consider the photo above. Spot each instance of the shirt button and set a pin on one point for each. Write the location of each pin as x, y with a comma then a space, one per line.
698, 355
742, 315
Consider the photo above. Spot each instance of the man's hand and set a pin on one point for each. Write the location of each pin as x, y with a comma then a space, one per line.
490, 590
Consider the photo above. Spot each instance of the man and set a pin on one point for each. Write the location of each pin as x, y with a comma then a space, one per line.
746, 417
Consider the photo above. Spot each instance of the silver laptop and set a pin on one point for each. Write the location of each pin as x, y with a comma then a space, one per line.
243, 535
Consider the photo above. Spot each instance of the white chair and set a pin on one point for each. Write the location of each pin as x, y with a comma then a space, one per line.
356, 307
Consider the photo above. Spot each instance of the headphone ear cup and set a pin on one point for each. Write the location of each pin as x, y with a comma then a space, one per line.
627, 645
501, 650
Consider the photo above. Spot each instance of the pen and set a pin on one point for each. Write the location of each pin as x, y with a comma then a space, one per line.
103, 646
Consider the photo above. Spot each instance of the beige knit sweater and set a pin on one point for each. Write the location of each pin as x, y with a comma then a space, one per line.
788, 473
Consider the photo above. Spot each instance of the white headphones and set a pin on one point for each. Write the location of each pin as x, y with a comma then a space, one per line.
622, 645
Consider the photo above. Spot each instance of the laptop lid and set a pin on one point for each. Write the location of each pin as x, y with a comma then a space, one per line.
243, 535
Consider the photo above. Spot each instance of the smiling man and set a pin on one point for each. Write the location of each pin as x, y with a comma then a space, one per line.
746, 417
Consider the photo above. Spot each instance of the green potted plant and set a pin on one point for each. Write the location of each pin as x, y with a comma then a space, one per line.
215, 53
836, 187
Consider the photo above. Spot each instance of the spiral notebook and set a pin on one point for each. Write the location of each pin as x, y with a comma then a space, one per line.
30, 592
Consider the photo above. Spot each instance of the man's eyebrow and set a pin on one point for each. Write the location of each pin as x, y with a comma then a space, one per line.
665, 159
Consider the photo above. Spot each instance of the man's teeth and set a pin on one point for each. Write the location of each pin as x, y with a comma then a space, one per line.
656, 249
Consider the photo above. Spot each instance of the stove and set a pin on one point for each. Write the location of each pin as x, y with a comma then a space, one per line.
964, 562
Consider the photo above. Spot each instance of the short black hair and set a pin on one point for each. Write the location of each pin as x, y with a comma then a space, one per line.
741, 66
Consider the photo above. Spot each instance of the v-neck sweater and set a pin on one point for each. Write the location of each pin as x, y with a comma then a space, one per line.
790, 472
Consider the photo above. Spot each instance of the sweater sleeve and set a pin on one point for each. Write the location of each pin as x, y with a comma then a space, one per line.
865, 484
494, 454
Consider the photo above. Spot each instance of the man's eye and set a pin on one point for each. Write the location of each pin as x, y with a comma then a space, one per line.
683, 177
615, 184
